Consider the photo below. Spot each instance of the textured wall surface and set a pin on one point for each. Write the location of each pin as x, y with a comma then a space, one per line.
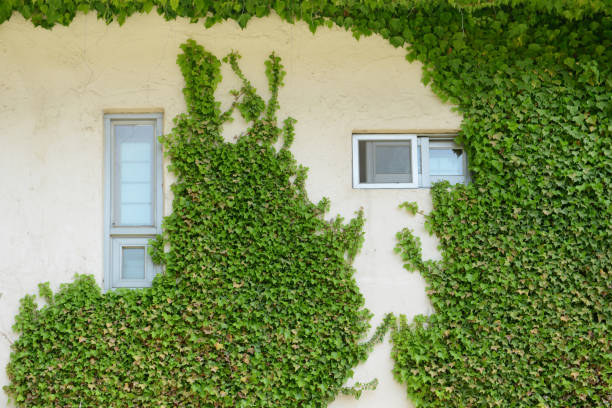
56, 85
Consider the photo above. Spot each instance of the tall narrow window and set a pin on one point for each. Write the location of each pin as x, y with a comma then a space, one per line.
133, 197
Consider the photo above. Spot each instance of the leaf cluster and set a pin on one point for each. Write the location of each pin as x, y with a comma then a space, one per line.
379, 16
522, 294
257, 305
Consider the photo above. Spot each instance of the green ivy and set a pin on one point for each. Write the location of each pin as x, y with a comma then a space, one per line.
257, 305
385, 17
522, 294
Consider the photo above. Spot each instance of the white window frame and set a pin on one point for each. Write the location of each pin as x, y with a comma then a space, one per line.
357, 183
118, 243
117, 237
420, 159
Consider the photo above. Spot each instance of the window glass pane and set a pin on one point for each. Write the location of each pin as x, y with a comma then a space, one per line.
446, 162
136, 152
133, 193
134, 174
393, 158
132, 263
136, 214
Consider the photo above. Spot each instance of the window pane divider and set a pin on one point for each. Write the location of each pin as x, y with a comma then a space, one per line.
134, 231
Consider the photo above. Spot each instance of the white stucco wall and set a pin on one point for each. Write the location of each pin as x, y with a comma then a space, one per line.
55, 86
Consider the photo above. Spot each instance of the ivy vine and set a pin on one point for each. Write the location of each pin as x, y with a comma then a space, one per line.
257, 305
521, 296
361, 16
